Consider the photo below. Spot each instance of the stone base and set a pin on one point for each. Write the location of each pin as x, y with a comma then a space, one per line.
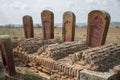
93, 75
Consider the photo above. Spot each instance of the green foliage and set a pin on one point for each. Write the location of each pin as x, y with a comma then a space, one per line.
117, 26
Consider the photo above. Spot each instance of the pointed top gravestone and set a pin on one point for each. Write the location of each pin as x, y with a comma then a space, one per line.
28, 26
47, 24
98, 24
68, 26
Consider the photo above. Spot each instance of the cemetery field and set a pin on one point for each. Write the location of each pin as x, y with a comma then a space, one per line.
80, 33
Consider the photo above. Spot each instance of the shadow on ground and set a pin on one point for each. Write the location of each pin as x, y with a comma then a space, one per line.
20, 76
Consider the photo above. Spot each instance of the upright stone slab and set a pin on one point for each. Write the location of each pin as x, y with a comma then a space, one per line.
2, 72
28, 26
47, 24
98, 24
68, 26
7, 55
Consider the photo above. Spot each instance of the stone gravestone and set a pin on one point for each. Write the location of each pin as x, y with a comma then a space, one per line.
47, 24
98, 24
7, 55
68, 31
28, 26
2, 74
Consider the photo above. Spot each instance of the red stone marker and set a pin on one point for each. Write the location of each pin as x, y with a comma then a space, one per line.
7, 55
68, 30
28, 26
98, 24
47, 24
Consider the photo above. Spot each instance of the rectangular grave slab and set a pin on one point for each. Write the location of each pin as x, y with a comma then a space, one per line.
7, 56
92, 75
28, 26
47, 24
68, 30
98, 24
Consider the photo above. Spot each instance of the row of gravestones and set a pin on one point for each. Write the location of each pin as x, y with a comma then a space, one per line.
98, 23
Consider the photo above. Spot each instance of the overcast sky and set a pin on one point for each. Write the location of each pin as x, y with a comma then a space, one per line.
12, 11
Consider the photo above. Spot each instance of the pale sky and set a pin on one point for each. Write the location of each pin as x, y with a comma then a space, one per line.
12, 11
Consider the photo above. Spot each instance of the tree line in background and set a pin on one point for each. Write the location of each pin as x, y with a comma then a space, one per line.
56, 26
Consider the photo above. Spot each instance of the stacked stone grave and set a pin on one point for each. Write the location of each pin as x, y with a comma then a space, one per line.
30, 46
45, 57
58, 51
101, 58
51, 58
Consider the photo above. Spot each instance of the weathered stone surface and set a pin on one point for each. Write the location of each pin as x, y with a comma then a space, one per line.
28, 26
15, 43
31, 45
98, 24
102, 58
7, 56
57, 51
92, 75
116, 70
53, 57
68, 26
47, 24
77, 56
65, 70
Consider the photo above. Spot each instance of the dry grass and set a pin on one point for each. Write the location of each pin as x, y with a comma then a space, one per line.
80, 33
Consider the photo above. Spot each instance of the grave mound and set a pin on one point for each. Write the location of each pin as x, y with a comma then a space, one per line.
66, 59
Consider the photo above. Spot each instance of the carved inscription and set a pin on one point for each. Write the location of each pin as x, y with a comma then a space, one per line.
97, 28
67, 31
47, 24
68, 26
46, 29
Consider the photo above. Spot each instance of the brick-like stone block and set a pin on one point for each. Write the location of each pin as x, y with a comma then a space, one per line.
98, 24
68, 30
92, 75
47, 24
28, 26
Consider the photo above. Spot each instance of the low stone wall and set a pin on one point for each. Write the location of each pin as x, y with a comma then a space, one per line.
50, 66
58, 51
102, 58
31, 45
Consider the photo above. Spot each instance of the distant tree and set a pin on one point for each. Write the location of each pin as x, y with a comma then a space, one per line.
38, 26
84, 26
1, 26
10, 26
117, 26
77, 26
